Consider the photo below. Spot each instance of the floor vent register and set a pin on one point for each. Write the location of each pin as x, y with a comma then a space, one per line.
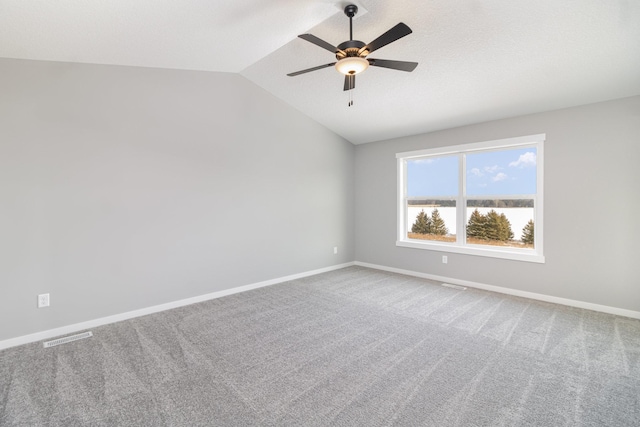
65, 340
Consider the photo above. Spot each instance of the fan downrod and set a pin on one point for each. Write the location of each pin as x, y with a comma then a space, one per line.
350, 11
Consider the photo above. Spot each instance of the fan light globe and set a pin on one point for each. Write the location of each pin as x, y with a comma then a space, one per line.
352, 65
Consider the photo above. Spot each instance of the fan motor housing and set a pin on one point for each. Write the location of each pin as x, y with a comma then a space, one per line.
351, 48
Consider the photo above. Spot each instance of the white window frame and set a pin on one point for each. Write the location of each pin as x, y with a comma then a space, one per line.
519, 254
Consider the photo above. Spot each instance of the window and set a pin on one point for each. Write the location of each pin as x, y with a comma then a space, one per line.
479, 199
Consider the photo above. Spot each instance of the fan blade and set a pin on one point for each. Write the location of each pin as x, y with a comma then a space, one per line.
319, 42
349, 81
390, 36
308, 70
394, 65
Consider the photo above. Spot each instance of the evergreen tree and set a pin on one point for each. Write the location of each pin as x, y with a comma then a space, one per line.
498, 227
505, 231
437, 224
493, 225
477, 225
422, 224
528, 233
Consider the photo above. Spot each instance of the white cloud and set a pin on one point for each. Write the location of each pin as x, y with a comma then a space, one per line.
499, 177
476, 172
526, 159
492, 169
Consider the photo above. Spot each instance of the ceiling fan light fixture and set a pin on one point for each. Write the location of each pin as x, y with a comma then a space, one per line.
352, 65
351, 55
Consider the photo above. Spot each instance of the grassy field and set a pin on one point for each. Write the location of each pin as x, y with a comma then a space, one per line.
470, 240
436, 237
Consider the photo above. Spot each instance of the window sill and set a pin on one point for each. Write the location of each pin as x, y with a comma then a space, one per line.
525, 255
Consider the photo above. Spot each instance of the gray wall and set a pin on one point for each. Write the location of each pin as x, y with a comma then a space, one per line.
591, 205
123, 188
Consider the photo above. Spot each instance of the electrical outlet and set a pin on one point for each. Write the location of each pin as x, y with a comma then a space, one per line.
335, 250
445, 259
43, 300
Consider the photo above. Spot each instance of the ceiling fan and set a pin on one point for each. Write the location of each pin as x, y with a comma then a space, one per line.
352, 54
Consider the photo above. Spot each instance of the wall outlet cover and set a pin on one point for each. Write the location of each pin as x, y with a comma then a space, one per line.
43, 300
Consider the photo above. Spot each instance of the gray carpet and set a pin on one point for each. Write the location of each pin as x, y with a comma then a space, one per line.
350, 347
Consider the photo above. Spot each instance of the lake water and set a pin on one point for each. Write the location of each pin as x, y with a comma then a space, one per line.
518, 217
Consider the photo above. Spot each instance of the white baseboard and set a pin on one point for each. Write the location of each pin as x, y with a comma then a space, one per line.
39, 336
508, 291
69, 329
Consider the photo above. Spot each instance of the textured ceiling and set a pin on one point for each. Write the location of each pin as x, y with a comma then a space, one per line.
187, 34
479, 60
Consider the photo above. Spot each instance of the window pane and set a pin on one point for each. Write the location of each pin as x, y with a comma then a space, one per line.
495, 222
432, 176
431, 220
504, 172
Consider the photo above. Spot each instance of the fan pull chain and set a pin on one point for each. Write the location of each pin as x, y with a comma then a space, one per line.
350, 97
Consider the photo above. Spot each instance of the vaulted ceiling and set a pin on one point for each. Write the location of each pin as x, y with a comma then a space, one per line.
479, 60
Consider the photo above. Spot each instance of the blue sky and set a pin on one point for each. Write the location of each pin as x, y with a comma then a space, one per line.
504, 172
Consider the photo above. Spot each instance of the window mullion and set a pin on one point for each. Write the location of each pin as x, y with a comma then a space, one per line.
405, 210
460, 201
402, 199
